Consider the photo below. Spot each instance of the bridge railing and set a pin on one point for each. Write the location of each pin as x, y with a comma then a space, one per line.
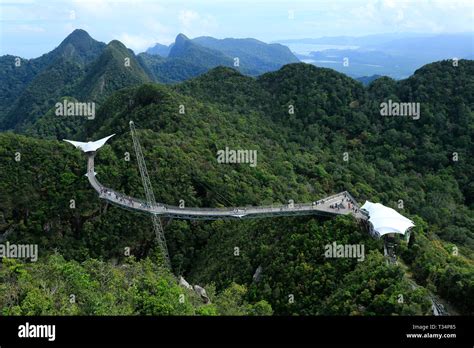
352, 199
244, 208
295, 206
117, 197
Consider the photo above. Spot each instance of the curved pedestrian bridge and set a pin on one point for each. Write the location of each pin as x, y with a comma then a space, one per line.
339, 204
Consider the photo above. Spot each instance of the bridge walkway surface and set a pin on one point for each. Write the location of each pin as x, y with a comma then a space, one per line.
339, 204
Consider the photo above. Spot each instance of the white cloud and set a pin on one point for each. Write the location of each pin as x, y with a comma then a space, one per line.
420, 15
194, 24
187, 17
114, 9
159, 32
137, 43
134, 19
96, 8
155, 32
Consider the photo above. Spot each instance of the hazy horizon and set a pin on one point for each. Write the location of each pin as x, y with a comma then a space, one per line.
32, 28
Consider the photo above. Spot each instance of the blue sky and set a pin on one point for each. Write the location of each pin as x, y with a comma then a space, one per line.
30, 28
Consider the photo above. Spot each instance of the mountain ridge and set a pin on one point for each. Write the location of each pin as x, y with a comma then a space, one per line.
80, 67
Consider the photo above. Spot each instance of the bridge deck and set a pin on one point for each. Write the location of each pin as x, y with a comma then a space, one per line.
321, 207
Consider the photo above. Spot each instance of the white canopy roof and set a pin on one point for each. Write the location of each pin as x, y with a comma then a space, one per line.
386, 220
91, 145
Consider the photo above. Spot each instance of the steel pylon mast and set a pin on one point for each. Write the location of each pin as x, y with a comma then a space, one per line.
150, 196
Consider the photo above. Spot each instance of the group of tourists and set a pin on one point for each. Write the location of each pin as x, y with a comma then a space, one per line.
349, 202
121, 198
351, 205
124, 199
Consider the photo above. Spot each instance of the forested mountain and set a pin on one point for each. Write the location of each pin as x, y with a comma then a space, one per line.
89, 71
367, 80
15, 74
27, 89
184, 60
300, 157
255, 55
186, 49
79, 67
114, 69
188, 58
159, 49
